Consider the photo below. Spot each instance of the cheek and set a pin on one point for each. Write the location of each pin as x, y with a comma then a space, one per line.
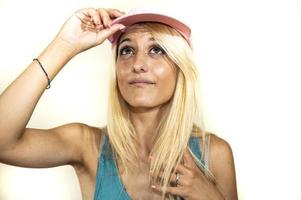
167, 78
121, 74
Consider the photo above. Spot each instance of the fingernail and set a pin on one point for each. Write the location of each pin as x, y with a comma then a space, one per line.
153, 186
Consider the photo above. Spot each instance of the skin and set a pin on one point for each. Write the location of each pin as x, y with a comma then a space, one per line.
78, 144
140, 59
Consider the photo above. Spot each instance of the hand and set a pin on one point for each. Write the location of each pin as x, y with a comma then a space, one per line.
89, 27
192, 184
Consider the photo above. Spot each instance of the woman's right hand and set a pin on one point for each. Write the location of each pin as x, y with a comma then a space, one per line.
89, 27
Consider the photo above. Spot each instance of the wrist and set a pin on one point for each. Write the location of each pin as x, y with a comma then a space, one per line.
55, 56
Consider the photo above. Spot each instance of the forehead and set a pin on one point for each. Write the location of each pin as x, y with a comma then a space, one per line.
136, 32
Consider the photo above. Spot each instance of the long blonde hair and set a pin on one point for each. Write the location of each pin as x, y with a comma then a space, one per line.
182, 119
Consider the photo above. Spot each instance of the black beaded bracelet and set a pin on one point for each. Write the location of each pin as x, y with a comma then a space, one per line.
48, 86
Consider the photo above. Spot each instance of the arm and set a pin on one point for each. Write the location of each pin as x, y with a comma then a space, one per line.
46, 148
42, 148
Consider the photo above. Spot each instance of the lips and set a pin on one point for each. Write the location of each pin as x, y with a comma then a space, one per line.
141, 81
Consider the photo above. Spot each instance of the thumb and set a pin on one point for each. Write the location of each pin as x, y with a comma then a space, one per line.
110, 31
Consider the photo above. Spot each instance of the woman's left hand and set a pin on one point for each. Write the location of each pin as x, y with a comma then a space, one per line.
192, 184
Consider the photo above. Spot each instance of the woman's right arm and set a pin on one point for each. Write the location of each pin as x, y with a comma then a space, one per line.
23, 146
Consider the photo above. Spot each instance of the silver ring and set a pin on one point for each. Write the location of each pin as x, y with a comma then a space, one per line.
177, 178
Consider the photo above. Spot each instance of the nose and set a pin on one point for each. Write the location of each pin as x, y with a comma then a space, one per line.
140, 63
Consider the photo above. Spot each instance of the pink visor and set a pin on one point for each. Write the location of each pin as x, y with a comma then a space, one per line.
139, 15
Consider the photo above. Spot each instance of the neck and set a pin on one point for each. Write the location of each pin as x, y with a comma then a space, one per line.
145, 122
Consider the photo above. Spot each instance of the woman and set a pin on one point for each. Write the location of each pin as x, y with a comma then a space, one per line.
153, 146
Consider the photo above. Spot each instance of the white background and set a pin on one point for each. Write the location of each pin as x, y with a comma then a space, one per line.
249, 56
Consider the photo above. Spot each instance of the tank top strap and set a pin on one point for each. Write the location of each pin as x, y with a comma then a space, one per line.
207, 147
195, 148
194, 145
201, 158
108, 183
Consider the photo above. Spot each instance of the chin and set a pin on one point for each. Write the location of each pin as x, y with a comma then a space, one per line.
141, 104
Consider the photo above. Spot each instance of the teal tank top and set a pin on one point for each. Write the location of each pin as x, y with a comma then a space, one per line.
108, 182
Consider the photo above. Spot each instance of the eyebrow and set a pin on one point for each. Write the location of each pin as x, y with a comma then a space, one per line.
129, 40
124, 40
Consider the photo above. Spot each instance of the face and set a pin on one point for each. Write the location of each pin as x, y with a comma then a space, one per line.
145, 76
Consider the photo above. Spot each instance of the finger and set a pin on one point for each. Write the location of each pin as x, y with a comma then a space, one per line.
99, 27
105, 18
176, 179
92, 12
159, 177
183, 174
85, 21
188, 159
109, 31
173, 178
86, 25
114, 13
181, 169
171, 190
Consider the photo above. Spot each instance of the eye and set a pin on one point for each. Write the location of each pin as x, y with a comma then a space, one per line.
126, 51
156, 50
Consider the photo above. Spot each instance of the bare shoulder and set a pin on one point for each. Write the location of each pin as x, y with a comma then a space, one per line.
219, 148
92, 136
83, 138
70, 133
83, 134
77, 132
220, 154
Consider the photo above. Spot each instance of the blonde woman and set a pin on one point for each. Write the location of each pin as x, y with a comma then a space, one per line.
154, 145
